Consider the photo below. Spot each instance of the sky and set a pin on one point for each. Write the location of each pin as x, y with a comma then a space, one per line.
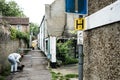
34, 9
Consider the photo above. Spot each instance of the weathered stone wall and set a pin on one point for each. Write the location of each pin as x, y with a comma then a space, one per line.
102, 48
7, 46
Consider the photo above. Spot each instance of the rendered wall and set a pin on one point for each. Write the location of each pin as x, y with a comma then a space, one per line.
102, 47
102, 53
55, 17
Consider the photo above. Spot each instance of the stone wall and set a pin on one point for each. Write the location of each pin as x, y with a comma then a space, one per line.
102, 48
7, 46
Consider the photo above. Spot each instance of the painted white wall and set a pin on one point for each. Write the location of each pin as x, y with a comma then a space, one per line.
41, 38
70, 20
104, 16
53, 48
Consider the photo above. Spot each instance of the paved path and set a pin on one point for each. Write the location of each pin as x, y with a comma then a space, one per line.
35, 67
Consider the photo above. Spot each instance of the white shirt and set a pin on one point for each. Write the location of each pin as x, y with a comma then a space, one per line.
16, 56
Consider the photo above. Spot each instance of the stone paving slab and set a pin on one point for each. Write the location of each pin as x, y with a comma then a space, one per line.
35, 67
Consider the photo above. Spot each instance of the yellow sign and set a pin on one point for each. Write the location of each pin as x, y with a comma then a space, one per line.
80, 24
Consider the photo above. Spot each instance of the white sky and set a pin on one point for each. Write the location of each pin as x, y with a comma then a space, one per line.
34, 9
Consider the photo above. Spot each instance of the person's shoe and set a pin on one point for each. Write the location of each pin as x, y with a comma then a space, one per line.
17, 71
12, 72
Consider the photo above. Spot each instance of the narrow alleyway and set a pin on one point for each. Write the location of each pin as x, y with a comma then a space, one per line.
35, 68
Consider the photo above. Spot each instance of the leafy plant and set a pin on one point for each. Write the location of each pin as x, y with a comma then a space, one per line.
34, 29
15, 34
59, 76
10, 8
64, 51
71, 75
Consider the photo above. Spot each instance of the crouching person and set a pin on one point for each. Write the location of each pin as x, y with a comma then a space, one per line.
14, 59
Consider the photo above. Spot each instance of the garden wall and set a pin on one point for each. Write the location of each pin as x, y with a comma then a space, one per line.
7, 46
102, 47
102, 53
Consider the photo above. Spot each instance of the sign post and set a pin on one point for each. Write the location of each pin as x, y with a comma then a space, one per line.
80, 37
80, 52
78, 7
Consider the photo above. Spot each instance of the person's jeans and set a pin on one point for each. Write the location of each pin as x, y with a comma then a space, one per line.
13, 63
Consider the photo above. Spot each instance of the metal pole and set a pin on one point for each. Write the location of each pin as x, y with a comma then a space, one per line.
80, 52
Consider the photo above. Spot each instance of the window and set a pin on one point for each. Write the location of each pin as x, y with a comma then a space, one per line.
19, 27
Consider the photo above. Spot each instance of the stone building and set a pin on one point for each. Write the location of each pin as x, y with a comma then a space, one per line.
21, 24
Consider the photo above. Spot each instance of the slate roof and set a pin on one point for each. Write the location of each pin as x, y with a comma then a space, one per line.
15, 20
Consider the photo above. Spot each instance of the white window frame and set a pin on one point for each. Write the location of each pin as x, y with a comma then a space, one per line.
19, 27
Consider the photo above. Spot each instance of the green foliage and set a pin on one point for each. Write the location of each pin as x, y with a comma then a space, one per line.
5, 72
71, 75
34, 29
2, 78
15, 34
59, 76
10, 9
22, 35
54, 76
70, 60
64, 52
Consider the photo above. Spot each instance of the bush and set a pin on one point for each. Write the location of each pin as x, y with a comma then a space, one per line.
64, 51
70, 60
15, 34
